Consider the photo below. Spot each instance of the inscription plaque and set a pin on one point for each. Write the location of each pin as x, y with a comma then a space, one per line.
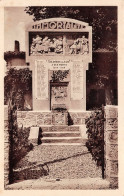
77, 81
59, 64
41, 80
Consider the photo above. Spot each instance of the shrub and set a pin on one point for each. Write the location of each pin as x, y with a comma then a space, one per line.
95, 131
19, 145
17, 83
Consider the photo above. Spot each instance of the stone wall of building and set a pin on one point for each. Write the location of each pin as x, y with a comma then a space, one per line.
36, 118
6, 146
111, 145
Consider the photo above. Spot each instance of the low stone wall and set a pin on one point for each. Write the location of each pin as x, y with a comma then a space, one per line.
111, 145
33, 118
78, 118
6, 146
36, 118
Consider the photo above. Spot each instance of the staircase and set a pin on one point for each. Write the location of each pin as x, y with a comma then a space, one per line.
61, 135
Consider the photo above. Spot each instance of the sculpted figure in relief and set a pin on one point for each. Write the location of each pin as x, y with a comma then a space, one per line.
36, 44
83, 44
80, 45
46, 45
59, 92
55, 45
74, 47
58, 45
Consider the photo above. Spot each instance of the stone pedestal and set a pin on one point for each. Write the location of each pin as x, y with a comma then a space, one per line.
111, 145
33, 137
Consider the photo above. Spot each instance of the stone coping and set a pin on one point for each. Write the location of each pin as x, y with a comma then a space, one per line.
75, 111
78, 111
34, 111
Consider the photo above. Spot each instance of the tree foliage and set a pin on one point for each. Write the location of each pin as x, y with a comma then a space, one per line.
16, 84
103, 20
103, 70
102, 74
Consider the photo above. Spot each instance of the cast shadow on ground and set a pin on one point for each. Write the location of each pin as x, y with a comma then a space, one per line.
36, 171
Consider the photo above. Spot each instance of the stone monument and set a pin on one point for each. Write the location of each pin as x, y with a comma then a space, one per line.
59, 51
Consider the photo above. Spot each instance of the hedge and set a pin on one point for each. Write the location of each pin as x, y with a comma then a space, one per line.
95, 131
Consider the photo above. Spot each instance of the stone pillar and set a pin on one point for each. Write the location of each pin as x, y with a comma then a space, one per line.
111, 145
6, 146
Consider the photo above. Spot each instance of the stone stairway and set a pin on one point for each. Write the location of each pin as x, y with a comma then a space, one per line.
64, 135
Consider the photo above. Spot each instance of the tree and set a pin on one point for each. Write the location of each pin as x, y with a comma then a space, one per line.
102, 74
102, 19
16, 84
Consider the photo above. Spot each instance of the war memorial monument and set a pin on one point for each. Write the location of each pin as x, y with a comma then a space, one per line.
58, 53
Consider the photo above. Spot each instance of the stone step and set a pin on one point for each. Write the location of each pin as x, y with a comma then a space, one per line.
60, 134
60, 129
83, 143
61, 139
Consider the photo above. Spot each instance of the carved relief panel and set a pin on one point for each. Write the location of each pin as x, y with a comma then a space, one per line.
58, 43
59, 94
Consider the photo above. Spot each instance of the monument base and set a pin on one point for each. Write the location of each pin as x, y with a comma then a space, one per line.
51, 118
55, 127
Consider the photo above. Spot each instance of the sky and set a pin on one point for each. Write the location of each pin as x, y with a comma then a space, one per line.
15, 19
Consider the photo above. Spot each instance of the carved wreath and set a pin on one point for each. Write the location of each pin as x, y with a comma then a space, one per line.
59, 75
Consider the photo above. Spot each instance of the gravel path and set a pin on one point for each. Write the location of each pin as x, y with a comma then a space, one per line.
58, 162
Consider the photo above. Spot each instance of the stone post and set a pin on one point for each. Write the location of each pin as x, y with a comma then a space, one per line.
6, 146
111, 145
